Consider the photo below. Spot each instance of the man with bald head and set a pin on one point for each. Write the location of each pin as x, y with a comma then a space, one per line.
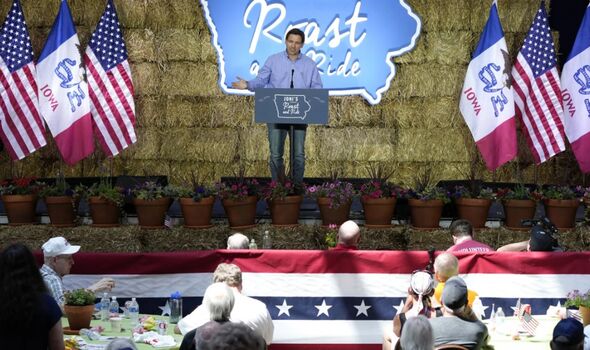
446, 265
349, 236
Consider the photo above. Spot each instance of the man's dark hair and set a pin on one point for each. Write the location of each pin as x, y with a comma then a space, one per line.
296, 31
461, 228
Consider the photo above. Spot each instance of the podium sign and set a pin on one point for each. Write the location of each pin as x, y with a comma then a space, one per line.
291, 106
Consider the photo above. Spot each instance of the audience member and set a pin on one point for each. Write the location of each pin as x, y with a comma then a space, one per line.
121, 344
29, 317
247, 310
539, 241
219, 301
349, 236
587, 338
237, 241
568, 334
463, 241
417, 303
417, 334
58, 260
458, 325
234, 336
446, 265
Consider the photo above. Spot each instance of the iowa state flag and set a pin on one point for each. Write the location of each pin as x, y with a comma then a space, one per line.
575, 83
487, 101
63, 89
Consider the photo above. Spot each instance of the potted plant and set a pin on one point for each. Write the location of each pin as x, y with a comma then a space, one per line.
378, 197
196, 202
62, 202
79, 307
151, 200
582, 302
473, 204
284, 201
106, 202
239, 198
426, 201
561, 204
520, 203
334, 199
19, 196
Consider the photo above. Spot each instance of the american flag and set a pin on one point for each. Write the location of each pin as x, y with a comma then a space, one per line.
110, 85
538, 92
527, 321
21, 128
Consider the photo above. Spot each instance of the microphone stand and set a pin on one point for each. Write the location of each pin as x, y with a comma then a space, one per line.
291, 137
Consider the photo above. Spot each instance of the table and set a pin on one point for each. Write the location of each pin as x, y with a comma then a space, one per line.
126, 330
502, 339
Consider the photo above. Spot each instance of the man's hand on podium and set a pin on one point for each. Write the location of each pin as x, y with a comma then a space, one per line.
240, 84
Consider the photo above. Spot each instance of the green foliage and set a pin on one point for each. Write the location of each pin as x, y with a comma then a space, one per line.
79, 297
151, 190
577, 299
104, 189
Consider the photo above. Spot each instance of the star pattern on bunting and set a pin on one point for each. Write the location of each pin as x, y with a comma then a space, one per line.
362, 308
165, 309
399, 308
284, 308
323, 308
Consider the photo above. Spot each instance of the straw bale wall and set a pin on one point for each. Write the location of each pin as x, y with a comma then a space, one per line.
186, 124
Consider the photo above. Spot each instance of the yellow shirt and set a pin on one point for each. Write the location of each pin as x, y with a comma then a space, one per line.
471, 295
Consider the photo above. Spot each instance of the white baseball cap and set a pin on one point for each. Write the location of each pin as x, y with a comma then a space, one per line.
59, 246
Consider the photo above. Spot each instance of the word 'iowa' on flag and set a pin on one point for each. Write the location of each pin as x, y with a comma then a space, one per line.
21, 128
537, 91
575, 82
63, 90
110, 85
487, 101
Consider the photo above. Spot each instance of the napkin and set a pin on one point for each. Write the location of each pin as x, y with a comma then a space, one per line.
154, 339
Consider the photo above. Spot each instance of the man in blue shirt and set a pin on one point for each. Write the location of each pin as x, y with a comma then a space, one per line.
286, 69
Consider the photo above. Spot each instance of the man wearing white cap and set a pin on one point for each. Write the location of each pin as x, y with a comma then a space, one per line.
58, 260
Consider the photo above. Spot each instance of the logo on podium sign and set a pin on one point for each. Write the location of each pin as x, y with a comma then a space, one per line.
291, 106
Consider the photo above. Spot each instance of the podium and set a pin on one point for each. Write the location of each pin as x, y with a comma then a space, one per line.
291, 106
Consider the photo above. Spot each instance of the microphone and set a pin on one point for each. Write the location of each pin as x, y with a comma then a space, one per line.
292, 72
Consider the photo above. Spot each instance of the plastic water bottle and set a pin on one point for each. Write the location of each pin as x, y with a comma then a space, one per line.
253, 244
175, 303
133, 310
114, 308
266, 240
499, 318
92, 335
105, 303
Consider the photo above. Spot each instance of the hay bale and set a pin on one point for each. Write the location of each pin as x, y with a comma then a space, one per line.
355, 111
450, 48
161, 12
190, 79
423, 113
199, 144
207, 50
429, 80
517, 16
140, 45
132, 13
148, 144
210, 112
354, 144
38, 13
441, 15
179, 44
418, 55
146, 78
88, 12
254, 144
150, 111
429, 145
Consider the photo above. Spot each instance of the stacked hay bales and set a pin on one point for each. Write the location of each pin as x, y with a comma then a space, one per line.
186, 124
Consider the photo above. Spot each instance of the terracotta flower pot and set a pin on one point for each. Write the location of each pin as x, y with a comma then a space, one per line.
62, 211
378, 211
197, 214
104, 213
562, 212
585, 313
151, 213
516, 210
285, 212
20, 208
79, 316
333, 216
241, 214
425, 215
475, 210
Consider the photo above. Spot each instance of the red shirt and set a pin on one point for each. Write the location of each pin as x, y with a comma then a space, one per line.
341, 246
472, 246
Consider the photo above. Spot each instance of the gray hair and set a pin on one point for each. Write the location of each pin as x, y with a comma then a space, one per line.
417, 334
237, 241
461, 228
219, 300
228, 273
446, 266
121, 344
